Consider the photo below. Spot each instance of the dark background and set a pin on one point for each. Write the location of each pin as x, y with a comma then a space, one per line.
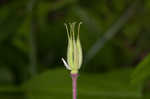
115, 37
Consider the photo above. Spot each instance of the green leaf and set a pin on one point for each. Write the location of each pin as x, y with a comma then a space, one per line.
56, 84
142, 72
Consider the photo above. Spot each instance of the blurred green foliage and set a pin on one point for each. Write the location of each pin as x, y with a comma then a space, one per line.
33, 39
141, 73
57, 83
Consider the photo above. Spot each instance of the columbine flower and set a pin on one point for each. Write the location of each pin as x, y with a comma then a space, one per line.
74, 50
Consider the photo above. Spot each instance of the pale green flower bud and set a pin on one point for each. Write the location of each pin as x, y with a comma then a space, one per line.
74, 50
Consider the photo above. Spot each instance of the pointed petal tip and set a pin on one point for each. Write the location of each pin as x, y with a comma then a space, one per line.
66, 65
80, 22
65, 24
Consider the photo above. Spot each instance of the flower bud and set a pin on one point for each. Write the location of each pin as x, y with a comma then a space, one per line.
74, 50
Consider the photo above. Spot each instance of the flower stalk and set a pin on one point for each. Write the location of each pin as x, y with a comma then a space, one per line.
74, 55
74, 85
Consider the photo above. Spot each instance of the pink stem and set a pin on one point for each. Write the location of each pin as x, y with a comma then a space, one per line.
74, 85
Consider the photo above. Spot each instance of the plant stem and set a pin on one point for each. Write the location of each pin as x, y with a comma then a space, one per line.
32, 6
74, 85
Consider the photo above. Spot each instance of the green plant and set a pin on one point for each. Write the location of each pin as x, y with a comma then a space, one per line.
141, 74
74, 54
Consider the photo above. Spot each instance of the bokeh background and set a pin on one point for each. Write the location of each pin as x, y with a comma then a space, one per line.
115, 37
